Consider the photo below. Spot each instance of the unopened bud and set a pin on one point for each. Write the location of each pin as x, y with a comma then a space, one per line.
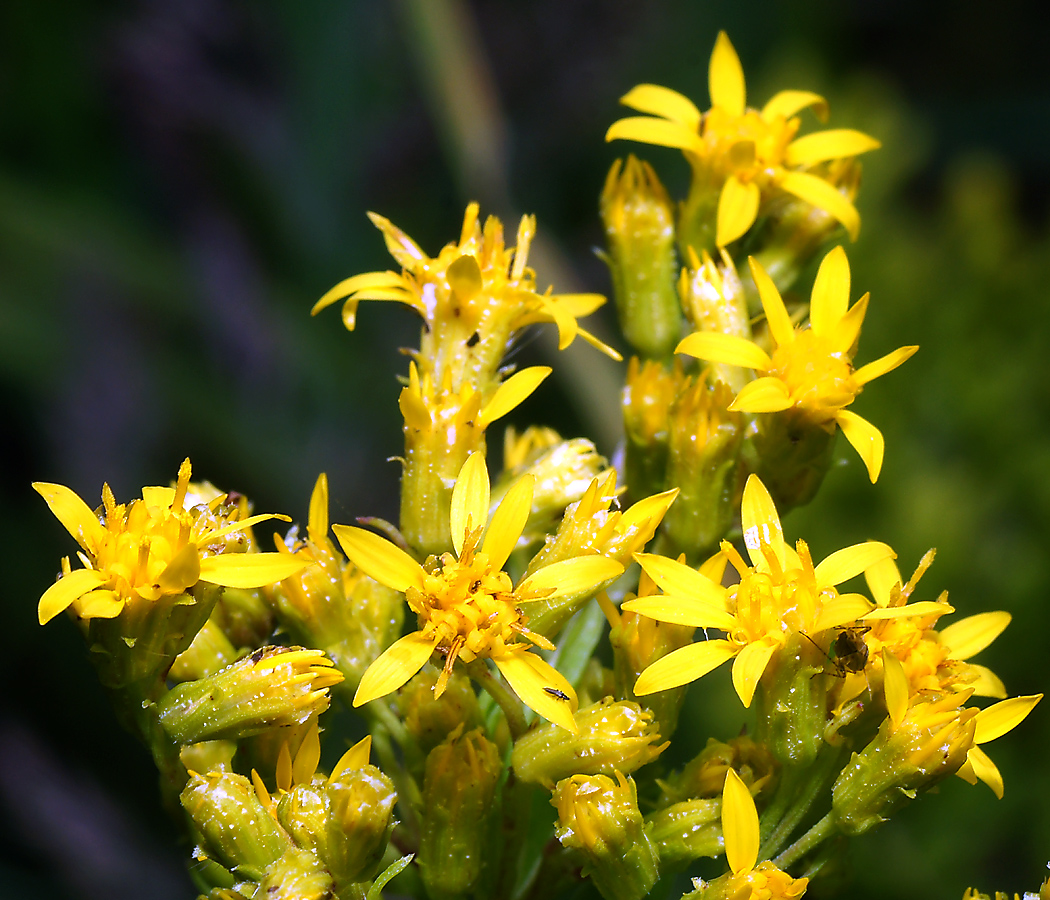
459, 809
686, 831
302, 811
599, 818
298, 875
613, 735
233, 825
274, 686
431, 720
705, 774
360, 820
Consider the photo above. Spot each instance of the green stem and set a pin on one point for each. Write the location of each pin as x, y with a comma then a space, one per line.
799, 801
499, 692
812, 839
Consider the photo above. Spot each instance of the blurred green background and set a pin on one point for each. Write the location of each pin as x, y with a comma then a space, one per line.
179, 181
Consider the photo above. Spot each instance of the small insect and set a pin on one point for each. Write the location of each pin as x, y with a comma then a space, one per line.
848, 653
554, 692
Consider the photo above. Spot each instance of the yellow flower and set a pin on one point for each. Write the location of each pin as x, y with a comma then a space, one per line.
152, 548
746, 154
780, 594
763, 881
811, 369
477, 288
468, 607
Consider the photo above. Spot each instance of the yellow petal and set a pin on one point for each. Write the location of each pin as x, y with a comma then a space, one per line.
398, 663
773, 304
283, 775
836, 143
379, 559
348, 286
530, 677
763, 395
737, 210
307, 756
986, 683
660, 132
674, 577
572, 576
210, 537
971, 635
922, 608
822, 195
661, 101
508, 521
512, 392
882, 578
840, 611
866, 439
405, 250
884, 364
182, 571
896, 687
843, 564
470, 499
787, 103
1002, 717
683, 665
748, 667
579, 305
979, 765
739, 824
464, 277
317, 524
355, 758
724, 348
760, 522
73, 513
250, 570
845, 334
647, 512
98, 605
682, 610
157, 497
64, 591
725, 78
830, 295
565, 322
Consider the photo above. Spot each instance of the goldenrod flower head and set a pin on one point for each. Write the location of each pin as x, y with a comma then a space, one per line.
151, 548
648, 393
749, 155
747, 877
614, 736
467, 606
712, 295
780, 594
811, 369
478, 285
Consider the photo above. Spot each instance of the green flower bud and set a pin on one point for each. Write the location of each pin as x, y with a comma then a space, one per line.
431, 720
303, 812
460, 808
929, 744
705, 774
210, 652
792, 453
360, 820
686, 831
639, 229
792, 703
298, 875
233, 825
274, 686
208, 756
648, 393
599, 818
613, 735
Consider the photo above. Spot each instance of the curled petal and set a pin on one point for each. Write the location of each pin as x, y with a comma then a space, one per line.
724, 348
405, 250
787, 103
398, 663
663, 102
979, 767
866, 439
379, 559
348, 286
763, 395
739, 824
823, 195
683, 665
67, 589
98, 605
737, 209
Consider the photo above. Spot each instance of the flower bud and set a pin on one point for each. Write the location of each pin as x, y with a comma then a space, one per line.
929, 744
639, 229
431, 720
794, 450
210, 652
613, 735
360, 820
460, 807
303, 811
298, 875
686, 831
274, 686
648, 393
599, 818
705, 774
233, 825
792, 703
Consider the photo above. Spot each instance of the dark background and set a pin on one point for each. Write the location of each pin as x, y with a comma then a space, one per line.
179, 182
